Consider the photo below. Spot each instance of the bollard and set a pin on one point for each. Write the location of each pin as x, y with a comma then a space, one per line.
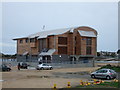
81, 82
94, 81
98, 82
103, 81
89, 83
68, 85
115, 80
54, 88
86, 83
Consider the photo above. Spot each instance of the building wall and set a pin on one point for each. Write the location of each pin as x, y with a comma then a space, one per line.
51, 42
22, 47
31, 48
76, 45
81, 42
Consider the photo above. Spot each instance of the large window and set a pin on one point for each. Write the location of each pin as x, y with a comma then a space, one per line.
21, 41
26, 40
32, 40
75, 50
62, 40
62, 50
88, 50
89, 41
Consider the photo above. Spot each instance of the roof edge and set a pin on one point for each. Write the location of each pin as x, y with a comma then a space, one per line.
20, 38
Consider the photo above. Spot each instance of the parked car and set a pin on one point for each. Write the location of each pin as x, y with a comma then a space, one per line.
23, 65
104, 73
44, 66
5, 68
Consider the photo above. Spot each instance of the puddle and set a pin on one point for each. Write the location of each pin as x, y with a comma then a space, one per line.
33, 76
80, 73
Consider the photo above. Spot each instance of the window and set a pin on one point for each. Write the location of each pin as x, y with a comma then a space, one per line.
27, 40
104, 71
62, 50
75, 50
21, 41
62, 40
48, 40
32, 40
88, 41
88, 50
75, 38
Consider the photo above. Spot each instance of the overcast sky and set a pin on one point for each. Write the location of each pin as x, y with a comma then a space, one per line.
22, 19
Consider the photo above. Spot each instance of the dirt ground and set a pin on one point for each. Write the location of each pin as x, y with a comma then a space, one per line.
45, 78
32, 78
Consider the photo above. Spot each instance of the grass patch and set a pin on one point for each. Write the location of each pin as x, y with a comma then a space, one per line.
102, 85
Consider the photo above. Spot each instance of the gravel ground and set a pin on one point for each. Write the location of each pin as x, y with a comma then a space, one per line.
32, 78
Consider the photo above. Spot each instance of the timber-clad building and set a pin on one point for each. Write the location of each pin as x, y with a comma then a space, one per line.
77, 43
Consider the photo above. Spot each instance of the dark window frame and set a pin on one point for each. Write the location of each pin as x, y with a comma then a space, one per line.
62, 50
32, 40
62, 40
26, 40
88, 50
21, 41
88, 41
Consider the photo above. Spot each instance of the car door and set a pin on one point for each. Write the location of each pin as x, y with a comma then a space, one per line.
45, 66
104, 73
98, 74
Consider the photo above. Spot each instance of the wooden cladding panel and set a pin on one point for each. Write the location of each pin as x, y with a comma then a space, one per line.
62, 50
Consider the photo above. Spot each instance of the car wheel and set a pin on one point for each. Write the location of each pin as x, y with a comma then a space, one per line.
108, 77
51, 68
42, 68
8, 69
37, 69
92, 76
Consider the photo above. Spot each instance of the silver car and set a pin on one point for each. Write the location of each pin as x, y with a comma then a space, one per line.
44, 66
104, 73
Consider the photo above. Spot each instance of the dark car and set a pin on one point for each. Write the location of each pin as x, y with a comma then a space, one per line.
5, 68
23, 65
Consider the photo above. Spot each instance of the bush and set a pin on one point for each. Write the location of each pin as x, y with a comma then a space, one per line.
108, 66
